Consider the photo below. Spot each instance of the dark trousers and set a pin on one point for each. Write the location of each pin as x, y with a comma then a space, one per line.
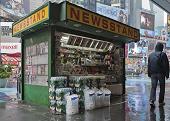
154, 79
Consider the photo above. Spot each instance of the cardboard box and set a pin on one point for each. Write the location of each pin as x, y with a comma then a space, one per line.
116, 89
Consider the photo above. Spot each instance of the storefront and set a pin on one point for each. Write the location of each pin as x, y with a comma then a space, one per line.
10, 54
66, 42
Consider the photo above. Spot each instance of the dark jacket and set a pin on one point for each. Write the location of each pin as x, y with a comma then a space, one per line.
158, 62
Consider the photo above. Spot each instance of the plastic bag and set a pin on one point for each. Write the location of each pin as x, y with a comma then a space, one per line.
106, 96
98, 98
72, 105
89, 99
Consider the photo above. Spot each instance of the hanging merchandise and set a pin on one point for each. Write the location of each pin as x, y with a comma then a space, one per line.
60, 106
89, 96
53, 105
60, 99
79, 87
108, 60
56, 94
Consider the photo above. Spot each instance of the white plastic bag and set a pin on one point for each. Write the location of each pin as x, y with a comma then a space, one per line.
89, 99
106, 96
72, 105
98, 98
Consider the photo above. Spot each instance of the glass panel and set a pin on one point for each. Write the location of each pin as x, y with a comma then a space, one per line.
84, 42
104, 45
94, 44
99, 45
107, 47
71, 40
78, 41
89, 42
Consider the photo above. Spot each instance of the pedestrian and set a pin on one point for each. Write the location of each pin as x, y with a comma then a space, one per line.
158, 70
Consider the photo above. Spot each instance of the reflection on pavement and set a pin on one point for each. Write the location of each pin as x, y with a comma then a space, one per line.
7, 94
160, 116
137, 97
134, 106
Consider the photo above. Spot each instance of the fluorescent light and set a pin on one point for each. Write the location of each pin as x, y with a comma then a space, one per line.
98, 31
116, 36
77, 25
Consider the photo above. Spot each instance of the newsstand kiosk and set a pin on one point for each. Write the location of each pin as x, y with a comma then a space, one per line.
69, 52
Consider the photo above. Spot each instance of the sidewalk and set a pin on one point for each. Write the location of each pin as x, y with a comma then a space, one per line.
133, 106
7, 94
141, 79
20, 112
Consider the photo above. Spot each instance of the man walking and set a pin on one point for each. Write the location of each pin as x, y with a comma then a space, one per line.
158, 69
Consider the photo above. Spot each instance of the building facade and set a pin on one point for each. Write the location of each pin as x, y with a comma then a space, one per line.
31, 5
150, 19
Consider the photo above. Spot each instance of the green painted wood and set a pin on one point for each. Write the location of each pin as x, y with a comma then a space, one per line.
36, 94
22, 68
51, 54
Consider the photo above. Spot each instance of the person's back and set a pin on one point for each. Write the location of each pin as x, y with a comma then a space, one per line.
158, 69
155, 62
158, 62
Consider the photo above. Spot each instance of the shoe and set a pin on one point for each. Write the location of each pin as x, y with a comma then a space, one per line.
161, 104
152, 103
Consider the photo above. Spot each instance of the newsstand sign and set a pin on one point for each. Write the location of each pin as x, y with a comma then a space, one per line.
80, 15
32, 20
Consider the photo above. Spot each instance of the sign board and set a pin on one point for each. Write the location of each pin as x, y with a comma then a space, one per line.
6, 28
118, 14
10, 48
37, 17
147, 33
168, 23
88, 4
83, 16
10, 60
147, 21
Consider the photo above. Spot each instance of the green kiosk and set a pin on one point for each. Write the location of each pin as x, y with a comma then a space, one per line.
71, 43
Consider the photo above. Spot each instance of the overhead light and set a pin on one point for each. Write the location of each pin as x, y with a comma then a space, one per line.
65, 37
116, 36
77, 25
45, 23
98, 31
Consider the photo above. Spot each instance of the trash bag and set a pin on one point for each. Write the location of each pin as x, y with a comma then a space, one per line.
72, 104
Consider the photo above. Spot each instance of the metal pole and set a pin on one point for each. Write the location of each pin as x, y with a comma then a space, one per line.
0, 43
124, 73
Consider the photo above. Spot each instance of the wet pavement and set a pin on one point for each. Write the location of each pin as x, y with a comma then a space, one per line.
131, 107
8, 94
